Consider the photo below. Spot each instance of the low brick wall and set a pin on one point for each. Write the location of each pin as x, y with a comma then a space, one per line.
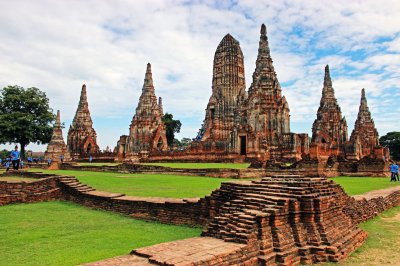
191, 211
364, 207
154, 169
43, 188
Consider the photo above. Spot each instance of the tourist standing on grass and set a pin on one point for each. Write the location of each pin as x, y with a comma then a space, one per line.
394, 172
1, 162
90, 159
15, 157
62, 158
48, 162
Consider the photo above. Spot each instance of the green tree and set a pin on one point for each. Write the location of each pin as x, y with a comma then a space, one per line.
25, 116
171, 127
185, 142
392, 141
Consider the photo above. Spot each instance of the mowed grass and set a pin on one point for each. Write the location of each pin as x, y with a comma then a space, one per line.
61, 233
382, 244
203, 165
146, 185
361, 185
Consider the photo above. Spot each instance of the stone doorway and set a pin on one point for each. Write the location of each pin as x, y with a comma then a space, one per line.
243, 145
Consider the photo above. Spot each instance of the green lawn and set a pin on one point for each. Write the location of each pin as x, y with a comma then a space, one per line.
203, 165
146, 185
360, 185
60, 233
382, 244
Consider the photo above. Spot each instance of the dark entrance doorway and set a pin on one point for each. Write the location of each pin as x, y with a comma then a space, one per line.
243, 145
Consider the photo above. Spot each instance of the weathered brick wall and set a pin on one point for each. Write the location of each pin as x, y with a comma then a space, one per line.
361, 208
42, 189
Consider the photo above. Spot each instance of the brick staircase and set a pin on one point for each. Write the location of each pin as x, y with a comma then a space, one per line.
72, 183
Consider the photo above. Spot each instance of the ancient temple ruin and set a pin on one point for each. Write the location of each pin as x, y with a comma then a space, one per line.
253, 125
56, 149
329, 130
82, 138
147, 131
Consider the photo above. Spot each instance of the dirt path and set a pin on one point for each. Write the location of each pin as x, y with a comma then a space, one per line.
377, 193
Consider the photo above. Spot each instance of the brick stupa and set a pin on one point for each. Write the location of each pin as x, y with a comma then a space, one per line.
56, 146
329, 130
82, 138
147, 131
364, 137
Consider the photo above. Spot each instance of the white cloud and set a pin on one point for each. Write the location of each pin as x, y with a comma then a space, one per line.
59, 45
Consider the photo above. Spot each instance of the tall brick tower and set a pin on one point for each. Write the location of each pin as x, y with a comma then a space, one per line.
228, 91
147, 131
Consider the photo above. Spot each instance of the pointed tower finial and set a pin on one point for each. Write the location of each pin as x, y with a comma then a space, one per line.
160, 105
58, 119
263, 30
363, 94
148, 69
148, 79
327, 78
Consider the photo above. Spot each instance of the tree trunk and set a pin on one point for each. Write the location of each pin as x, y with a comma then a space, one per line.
22, 151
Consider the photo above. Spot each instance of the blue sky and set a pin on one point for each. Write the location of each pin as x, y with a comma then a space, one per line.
59, 45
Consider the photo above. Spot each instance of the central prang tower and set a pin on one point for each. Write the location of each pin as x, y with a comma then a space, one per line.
228, 91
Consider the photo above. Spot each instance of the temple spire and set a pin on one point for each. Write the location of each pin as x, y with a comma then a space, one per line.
327, 78
363, 103
263, 49
160, 105
148, 79
58, 119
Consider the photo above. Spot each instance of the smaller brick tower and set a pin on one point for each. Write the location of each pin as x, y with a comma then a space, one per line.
364, 138
329, 131
56, 146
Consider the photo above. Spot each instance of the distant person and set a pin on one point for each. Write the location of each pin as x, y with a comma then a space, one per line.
49, 162
62, 158
1, 162
7, 166
394, 172
90, 159
22, 164
15, 158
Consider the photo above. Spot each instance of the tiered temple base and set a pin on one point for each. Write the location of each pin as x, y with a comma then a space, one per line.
283, 220
291, 219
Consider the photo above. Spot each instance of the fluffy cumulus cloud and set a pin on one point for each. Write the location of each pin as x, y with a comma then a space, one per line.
59, 45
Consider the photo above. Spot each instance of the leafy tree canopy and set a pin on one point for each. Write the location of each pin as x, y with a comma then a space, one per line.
171, 127
25, 116
392, 141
